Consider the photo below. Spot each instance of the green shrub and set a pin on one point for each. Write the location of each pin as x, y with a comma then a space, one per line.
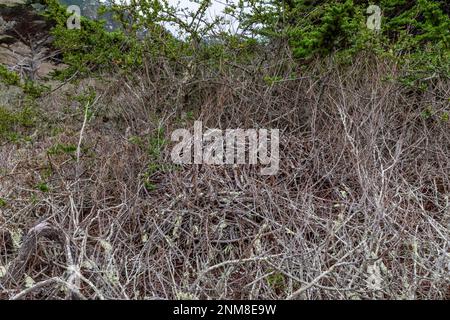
321, 27
13, 122
59, 148
90, 48
34, 89
94, 48
42, 186
8, 77
328, 27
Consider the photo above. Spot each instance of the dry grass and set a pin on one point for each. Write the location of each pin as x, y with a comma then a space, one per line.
359, 208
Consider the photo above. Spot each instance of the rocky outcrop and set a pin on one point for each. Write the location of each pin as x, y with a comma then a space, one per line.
24, 39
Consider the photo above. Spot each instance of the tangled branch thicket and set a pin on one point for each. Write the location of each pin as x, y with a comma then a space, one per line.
358, 210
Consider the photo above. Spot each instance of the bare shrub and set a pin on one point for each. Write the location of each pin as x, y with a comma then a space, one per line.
358, 210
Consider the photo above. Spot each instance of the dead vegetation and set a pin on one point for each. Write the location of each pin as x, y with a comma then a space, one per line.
358, 210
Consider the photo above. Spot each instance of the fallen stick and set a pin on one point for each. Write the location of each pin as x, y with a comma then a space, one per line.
17, 269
